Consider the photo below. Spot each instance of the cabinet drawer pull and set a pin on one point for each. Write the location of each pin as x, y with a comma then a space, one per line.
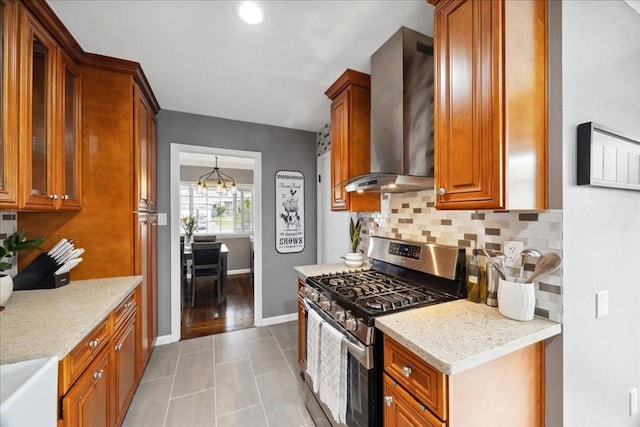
441, 191
94, 343
128, 305
388, 400
98, 375
65, 197
422, 407
406, 371
119, 347
53, 196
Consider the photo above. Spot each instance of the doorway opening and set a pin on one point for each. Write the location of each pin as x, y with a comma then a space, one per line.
233, 216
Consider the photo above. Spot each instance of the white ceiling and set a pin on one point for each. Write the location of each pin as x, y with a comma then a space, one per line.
199, 58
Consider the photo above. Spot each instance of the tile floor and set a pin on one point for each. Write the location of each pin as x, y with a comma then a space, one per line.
241, 378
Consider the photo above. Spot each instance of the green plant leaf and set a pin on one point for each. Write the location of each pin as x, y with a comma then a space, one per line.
354, 233
16, 242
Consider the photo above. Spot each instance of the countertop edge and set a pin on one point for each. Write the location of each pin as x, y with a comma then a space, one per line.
456, 367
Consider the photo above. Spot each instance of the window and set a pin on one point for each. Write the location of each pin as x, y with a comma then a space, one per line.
218, 213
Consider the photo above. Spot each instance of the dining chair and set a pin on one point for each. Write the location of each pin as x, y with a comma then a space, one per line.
204, 237
206, 261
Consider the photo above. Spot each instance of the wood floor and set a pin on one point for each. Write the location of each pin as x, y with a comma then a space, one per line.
208, 317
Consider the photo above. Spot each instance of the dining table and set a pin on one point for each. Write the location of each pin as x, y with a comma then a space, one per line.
224, 252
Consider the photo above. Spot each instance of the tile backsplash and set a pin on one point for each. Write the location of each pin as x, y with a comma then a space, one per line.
323, 140
412, 216
8, 226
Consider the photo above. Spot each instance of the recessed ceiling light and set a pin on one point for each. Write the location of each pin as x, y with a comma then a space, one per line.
249, 11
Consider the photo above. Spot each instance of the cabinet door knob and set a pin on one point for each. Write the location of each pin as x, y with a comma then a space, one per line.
54, 196
94, 343
119, 347
388, 400
98, 375
406, 371
441, 191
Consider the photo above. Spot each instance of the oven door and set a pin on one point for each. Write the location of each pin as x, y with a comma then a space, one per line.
363, 390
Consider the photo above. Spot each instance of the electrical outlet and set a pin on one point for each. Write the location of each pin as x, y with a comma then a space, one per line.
512, 250
633, 402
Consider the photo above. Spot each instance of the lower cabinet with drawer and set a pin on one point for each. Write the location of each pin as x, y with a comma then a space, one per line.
504, 391
98, 378
88, 402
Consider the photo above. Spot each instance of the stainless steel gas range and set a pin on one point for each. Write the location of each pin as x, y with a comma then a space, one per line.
403, 275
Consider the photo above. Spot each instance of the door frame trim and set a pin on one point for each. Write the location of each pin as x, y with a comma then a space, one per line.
174, 174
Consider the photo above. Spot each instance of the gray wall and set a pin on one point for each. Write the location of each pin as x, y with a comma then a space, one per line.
601, 227
282, 149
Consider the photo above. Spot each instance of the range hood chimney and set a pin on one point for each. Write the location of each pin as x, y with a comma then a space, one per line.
401, 116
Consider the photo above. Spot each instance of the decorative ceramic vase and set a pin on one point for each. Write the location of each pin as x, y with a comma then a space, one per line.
6, 288
188, 238
354, 259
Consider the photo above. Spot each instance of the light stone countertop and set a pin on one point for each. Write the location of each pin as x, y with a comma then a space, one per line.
51, 322
459, 335
318, 269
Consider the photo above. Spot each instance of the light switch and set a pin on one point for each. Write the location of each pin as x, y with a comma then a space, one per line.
162, 219
602, 303
633, 402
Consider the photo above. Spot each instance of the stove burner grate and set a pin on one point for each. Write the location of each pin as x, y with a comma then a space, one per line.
378, 292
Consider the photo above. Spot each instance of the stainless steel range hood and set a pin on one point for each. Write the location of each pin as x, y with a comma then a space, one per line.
401, 116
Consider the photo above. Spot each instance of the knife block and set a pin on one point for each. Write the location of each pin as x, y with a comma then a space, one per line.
39, 275
54, 281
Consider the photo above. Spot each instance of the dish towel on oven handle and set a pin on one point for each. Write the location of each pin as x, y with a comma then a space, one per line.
314, 324
333, 372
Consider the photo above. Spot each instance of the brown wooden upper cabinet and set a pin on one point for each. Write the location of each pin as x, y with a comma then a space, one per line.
69, 96
40, 146
350, 139
490, 104
145, 152
8, 106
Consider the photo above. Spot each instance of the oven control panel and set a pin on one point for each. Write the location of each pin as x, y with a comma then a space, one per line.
404, 250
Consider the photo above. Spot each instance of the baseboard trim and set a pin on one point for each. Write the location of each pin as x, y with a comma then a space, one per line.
239, 271
164, 339
279, 319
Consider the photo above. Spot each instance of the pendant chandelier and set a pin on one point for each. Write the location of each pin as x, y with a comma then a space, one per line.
218, 178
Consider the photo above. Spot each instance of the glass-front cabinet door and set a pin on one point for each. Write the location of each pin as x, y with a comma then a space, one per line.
38, 57
69, 95
8, 105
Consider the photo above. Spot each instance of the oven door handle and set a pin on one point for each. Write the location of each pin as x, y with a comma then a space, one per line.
358, 350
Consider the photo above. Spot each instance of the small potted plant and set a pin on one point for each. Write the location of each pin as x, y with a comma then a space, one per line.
12, 244
188, 224
354, 258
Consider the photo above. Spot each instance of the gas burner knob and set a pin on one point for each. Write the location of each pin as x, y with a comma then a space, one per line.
351, 324
340, 316
312, 294
325, 304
